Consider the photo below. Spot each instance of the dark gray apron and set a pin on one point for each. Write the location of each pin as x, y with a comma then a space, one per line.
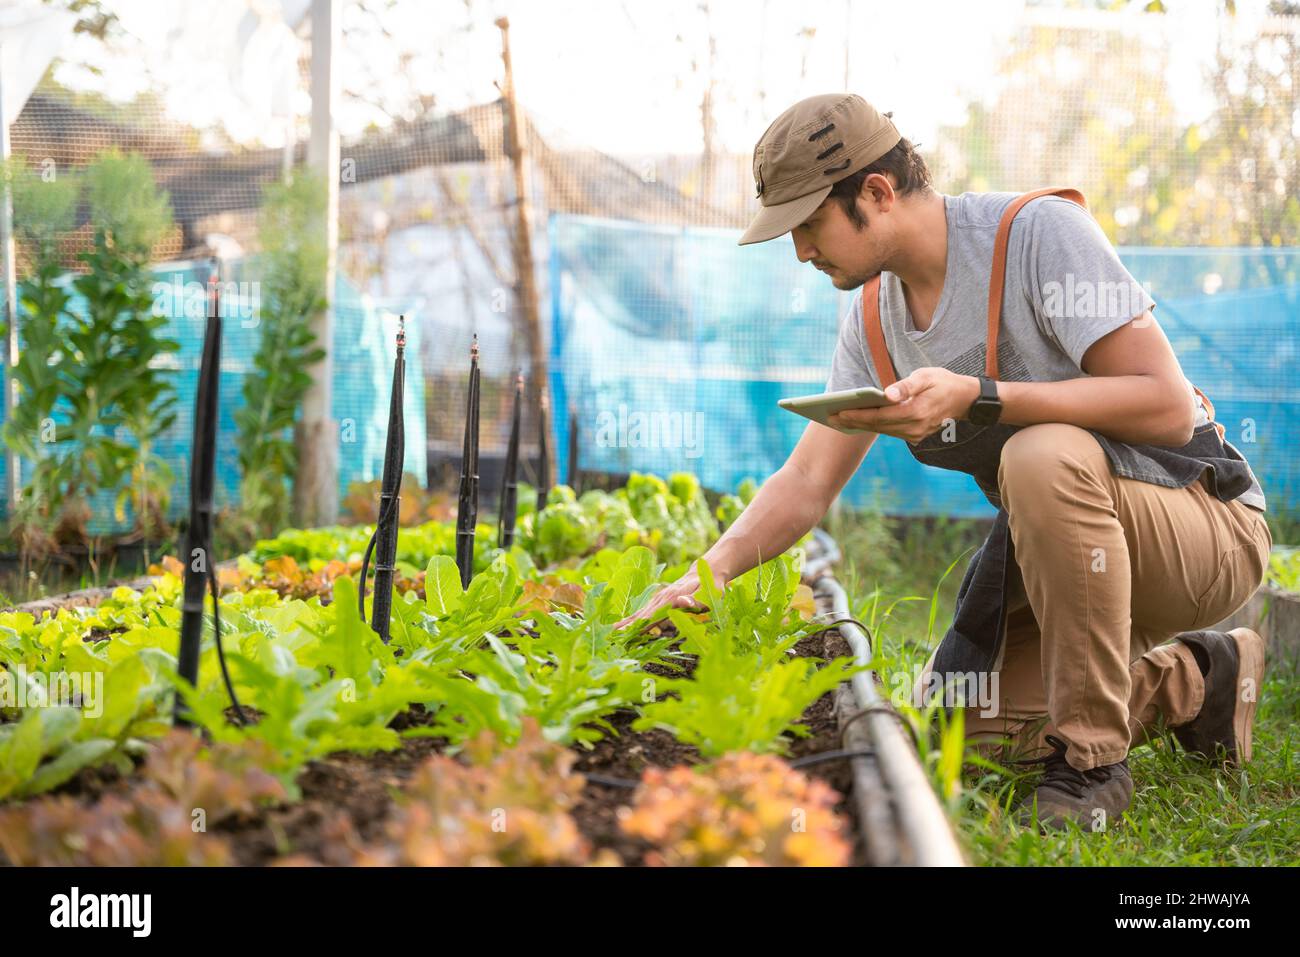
973, 644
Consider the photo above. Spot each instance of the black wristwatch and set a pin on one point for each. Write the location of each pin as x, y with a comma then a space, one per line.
986, 409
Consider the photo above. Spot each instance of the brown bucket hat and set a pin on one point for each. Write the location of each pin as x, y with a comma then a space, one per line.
808, 149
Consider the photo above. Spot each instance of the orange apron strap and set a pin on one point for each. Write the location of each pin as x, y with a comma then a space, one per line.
875, 335
1209, 411
871, 292
871, 303
998, 277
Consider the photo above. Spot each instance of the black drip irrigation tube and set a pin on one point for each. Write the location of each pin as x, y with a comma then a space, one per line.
509, 499
899, 817
200, 572
467, 499
383, 543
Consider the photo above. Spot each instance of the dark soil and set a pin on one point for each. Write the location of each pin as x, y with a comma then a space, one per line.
91, 784
622, 758
822, 722
356, 788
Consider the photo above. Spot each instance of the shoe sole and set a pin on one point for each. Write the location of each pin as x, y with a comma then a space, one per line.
1250, 667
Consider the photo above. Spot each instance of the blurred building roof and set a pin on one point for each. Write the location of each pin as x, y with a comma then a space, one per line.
220, 191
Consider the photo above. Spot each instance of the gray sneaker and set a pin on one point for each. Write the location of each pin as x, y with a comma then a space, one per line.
1221, 730
1091, 799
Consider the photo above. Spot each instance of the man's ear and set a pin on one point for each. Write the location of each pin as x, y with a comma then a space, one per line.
877, 192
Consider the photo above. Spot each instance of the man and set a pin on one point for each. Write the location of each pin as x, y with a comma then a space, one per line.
1124, 517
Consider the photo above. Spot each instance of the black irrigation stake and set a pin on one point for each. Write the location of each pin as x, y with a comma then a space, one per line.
467, 502
575, 477
384, 541
200, 565
543, 447
508, 503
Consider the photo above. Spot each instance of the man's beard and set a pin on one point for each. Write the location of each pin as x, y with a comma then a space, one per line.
846, 282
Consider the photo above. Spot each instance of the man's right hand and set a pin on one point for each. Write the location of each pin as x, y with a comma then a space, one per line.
792, 500
678, 594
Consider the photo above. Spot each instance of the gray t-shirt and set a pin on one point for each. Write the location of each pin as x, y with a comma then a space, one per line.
1072, 291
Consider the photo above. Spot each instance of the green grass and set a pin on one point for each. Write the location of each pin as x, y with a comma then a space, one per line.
902, 579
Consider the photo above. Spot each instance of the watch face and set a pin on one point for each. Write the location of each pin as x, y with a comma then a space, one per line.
984, 412
987, 407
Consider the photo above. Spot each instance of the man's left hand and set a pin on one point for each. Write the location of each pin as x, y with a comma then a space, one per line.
924, 402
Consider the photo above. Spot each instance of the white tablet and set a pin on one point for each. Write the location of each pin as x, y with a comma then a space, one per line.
819, 407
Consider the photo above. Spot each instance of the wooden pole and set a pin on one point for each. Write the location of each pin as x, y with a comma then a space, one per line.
13, 478
708, 160
525, 276
848, 37
316, 486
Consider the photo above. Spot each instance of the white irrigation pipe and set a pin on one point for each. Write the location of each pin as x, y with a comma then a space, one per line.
923, 825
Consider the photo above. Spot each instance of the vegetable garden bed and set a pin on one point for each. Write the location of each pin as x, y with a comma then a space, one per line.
509, 722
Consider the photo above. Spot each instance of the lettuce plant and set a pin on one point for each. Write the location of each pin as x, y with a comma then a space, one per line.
742, 810
738, 699
496, 806
187, 787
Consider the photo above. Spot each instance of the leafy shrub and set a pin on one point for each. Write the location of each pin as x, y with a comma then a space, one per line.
43, 211
112, 365
292, 270
126, 205
1284, 569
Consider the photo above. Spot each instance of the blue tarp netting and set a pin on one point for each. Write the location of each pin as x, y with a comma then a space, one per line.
670, 347
364, 351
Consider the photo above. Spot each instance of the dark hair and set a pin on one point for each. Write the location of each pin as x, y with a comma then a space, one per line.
903, 164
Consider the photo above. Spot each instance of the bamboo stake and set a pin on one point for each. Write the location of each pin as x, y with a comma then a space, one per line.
525, 276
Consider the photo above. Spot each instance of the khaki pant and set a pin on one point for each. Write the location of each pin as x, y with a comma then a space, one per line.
1113, 568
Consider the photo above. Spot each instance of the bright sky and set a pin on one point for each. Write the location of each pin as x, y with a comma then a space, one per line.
624, 76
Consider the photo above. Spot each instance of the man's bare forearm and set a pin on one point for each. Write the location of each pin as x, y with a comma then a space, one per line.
1131, 408
782, 512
